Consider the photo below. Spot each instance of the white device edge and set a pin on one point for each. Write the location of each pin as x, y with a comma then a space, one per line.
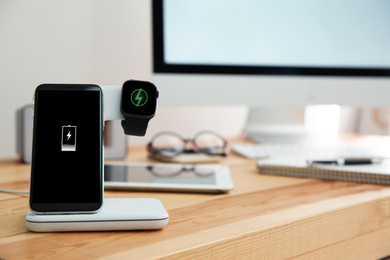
112, 102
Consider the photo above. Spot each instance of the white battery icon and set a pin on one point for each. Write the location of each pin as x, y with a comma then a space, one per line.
68, 138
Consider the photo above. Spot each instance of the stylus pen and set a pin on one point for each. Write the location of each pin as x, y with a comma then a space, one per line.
345, 161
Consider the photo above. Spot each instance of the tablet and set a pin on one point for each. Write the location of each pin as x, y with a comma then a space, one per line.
168, 177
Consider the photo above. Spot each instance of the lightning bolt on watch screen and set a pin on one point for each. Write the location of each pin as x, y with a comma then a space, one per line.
67, 147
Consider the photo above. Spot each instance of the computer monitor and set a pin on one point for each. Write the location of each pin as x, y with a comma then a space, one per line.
263, 53
272, 53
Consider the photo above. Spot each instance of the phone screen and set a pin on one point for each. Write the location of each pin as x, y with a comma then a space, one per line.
66, 169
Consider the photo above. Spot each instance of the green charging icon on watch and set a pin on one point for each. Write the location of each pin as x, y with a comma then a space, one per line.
139, 97
138, 106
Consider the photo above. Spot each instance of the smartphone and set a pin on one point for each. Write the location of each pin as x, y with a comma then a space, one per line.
168, 177
67, 152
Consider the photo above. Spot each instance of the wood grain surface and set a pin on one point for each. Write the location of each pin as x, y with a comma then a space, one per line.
264, 217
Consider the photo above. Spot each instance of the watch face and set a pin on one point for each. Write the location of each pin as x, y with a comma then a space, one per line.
139, 98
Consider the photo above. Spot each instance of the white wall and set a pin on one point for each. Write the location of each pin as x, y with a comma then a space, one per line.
91, 41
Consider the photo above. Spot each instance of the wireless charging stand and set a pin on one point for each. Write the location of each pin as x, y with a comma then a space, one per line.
115, 214
112, 102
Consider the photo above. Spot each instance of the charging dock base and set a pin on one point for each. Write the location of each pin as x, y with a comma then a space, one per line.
115, 214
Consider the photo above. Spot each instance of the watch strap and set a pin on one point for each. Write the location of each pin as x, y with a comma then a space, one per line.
135, 125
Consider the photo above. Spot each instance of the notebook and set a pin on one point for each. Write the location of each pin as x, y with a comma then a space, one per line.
296, 166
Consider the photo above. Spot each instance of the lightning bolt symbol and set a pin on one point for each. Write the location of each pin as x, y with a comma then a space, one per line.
68, 135
138, 97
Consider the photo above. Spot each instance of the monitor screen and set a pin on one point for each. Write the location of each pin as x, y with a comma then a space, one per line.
307, 47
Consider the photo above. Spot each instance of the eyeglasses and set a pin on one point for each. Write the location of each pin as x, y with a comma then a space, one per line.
170, 144
175, 170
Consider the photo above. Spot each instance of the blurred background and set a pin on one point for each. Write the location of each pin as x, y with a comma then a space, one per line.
107, 43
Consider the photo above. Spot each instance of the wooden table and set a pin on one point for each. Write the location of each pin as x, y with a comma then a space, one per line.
264, 217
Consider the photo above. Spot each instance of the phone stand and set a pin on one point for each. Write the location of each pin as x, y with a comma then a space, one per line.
115, 214
112, 102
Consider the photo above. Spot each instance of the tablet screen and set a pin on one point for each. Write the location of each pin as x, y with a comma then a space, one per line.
167, 174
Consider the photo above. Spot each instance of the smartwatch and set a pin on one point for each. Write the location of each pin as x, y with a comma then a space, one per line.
138, 106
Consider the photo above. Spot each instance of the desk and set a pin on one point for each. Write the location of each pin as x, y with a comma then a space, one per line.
263, 217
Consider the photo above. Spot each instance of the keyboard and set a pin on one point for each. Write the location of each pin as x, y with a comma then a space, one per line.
309, 150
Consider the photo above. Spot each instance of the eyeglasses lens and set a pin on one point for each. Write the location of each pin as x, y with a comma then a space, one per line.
210, 143
168, 145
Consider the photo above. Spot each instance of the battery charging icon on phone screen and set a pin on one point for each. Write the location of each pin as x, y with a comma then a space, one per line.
68, 138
